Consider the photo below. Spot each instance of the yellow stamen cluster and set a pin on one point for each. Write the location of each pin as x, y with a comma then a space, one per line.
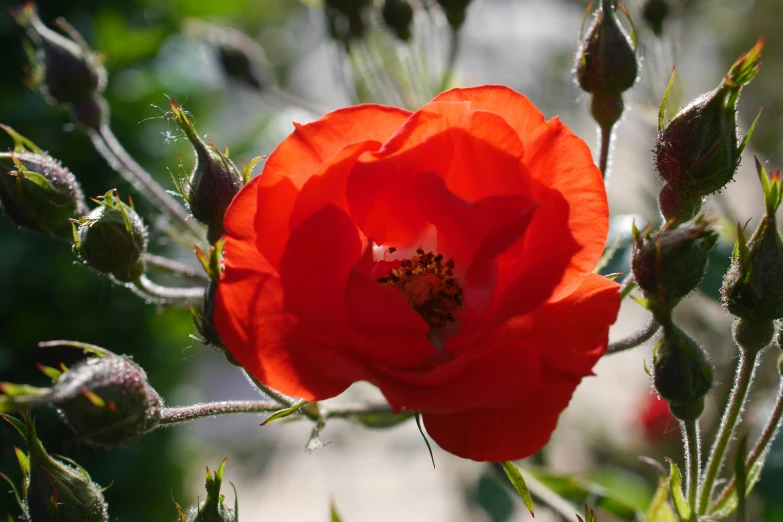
429, 286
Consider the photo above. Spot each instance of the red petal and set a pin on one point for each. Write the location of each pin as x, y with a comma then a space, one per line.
572, 334
498, 435
477, 154
317, 261
300, 156
498, 374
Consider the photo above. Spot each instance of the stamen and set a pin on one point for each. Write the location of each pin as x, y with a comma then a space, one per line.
429, 286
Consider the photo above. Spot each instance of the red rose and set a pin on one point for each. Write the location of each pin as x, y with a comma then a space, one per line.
445, 256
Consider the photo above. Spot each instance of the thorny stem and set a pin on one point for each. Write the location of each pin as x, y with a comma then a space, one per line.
118, 159
692, 449
451, 60
169, 416
739, 394
153, 290
635, 339
174, 268
760, 449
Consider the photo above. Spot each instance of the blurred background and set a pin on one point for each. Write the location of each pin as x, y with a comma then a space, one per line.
370, 475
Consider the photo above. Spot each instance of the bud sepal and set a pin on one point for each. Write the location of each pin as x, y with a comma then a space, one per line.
213, 508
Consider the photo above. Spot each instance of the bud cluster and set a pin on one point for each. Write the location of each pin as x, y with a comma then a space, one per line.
212, 509
106, 400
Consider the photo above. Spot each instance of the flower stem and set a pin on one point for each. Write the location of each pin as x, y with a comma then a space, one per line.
760, 449
175, 268
451, 60
181, 414
692, 448
729, 421
636, 338
158, 292
606, 145
118, 159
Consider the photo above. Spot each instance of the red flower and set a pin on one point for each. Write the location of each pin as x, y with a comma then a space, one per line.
445, 256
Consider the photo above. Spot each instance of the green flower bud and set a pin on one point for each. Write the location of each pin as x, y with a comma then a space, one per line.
65, 70
677, 208
606, 61
112, 238
455, 11
682, 372
212, 184
106, 400
55, 490
671, 264
753, 336
36, 191
697, 152
212, 509
654, 13
753, 286
398, 16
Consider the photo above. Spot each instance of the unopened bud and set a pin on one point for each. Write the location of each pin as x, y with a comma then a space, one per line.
36, 191
398, 16
670, 264
106, 400
677, 208
698, 151
212, 509
654, 13
241, 57
112, 238
55, 490
345, 19
65, 70
753, 286
455, 11
753, 336
682, 373
213, 183
606, 61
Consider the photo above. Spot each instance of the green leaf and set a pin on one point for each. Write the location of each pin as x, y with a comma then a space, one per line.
417, 416
662, 110
589, 515
16, 423
13, 490
660, 509
728, 505
675, 488
285, 412
53, 373
334, 516
514, 475
381, 420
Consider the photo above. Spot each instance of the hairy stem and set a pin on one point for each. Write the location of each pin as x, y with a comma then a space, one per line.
194, 294
120, 161
635, 339
692, 448
175, 268
760, 449
606, 145
181, 414
739, 394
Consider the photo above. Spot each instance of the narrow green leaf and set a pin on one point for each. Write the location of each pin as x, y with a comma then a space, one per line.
513, 474
417, 416
334, 515
746, 139
684, 511
660, 509
13, 490
91, 348
662, 110
53, 373
16, 423
285, 412
740, 475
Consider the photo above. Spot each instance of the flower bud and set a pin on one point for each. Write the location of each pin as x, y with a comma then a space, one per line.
55, 490
65, 70
106, 400
677, 208
753, 336
36, 191
212, 184
671, 264
112, 238
698, 152
241, 57
682, 372
398, 16
212, 509
654, 13
753, 286
344, 18
455, 11
606, 60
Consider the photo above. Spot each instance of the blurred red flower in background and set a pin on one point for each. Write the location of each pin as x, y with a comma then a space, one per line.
445, 256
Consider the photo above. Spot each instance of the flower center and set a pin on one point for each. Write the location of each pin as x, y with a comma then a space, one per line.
429, 286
